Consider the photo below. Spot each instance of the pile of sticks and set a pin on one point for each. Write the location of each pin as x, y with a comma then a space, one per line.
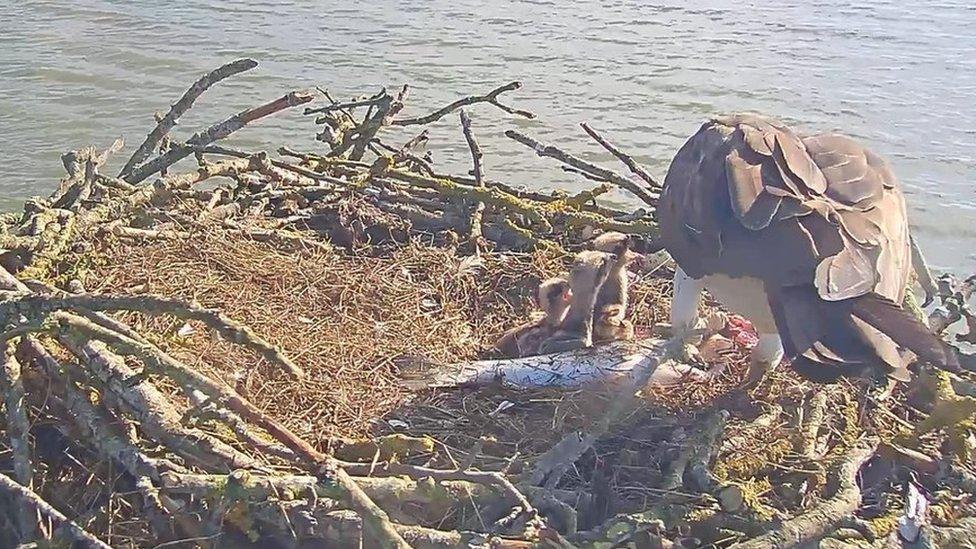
127, 402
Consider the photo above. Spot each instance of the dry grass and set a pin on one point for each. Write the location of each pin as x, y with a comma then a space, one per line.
347, 319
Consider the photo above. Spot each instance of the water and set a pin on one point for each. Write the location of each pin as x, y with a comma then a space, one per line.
899, 75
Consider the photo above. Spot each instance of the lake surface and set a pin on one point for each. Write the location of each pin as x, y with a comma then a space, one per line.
899, 75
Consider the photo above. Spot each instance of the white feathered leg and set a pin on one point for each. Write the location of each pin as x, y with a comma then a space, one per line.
766, 355
686, 299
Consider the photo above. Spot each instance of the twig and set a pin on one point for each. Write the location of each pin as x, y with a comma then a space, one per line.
422, 163
491, 98
184, 104
216, 132
606, 175
371, 101
225, 151
628, 160
65, 529
228, 329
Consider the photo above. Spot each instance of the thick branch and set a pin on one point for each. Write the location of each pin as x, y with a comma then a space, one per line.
216, 132
228, 329
65, 529
17, 424
820, 520
176, 111
161, 363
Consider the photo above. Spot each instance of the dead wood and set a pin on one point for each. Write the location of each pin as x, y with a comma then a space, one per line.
63, 528
180, 107
227, 328
217, 132
589, 168
820, 521
490, 98
628, 160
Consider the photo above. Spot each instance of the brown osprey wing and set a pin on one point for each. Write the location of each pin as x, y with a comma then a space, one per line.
747, 196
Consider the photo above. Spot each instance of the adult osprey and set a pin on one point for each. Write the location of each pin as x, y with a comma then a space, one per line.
805, 236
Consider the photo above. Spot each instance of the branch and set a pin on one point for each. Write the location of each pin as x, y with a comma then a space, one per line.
184, 104
100, 435
216, 132
90, 421
18, 429
489, 195
602, 173
376, 520
17, 425
476, 155
154, 412
159, 362
228, 329
696, 455
821, 520
225, 151
635, 168
809, 433
491, 98
368, 102
66, 529
476, 237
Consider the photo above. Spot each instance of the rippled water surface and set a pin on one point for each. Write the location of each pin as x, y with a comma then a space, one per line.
900, 75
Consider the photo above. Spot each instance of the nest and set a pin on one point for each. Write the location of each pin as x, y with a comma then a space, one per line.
230, 356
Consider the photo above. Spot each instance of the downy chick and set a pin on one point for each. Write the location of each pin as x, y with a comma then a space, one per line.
609, 322
524, 340
589, 271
